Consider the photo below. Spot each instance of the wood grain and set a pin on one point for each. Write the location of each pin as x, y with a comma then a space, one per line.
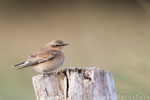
75, 84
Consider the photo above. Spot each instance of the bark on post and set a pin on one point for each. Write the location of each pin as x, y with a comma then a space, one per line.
75, 84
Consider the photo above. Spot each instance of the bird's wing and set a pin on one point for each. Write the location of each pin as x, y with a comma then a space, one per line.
40, 57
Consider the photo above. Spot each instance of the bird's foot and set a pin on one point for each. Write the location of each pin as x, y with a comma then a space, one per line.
46, 74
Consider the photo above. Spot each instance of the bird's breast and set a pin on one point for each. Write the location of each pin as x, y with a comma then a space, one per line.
50, 65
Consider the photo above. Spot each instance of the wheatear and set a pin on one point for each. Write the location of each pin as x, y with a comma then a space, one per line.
47, 59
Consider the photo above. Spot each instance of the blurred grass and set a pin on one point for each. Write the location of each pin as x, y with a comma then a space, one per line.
113, 35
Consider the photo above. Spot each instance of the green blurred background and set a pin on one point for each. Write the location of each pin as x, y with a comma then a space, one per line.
113, 35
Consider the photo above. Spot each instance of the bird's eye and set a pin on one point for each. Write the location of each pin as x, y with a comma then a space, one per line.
57, 45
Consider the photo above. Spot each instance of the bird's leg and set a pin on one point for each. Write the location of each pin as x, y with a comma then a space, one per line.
46, 74
43, 74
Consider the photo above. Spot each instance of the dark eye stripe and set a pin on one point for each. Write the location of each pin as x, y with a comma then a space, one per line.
58, 45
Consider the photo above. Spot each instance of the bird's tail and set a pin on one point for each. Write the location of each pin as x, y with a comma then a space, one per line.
20, 65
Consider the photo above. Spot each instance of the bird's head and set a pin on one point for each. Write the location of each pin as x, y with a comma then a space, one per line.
57, 44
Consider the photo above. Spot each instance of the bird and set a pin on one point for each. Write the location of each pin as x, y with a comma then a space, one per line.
46, 59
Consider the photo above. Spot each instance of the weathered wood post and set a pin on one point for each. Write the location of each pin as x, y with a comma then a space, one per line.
75, 84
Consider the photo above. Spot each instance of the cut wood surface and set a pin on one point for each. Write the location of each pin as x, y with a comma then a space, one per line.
75, 84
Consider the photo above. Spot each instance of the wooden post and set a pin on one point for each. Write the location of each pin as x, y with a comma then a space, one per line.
75, 84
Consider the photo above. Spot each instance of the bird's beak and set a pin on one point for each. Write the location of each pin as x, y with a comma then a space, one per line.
64, 44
